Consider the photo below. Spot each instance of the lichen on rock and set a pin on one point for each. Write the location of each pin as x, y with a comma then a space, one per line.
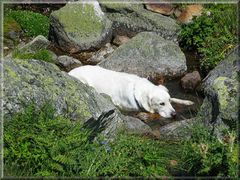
220, 106
80, 26
227, 90
147, 55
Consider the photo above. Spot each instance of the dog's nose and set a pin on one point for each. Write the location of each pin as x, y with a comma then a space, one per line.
173, 114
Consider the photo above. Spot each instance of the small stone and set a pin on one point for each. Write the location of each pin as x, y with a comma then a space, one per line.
190, 81
68, 63
119, 40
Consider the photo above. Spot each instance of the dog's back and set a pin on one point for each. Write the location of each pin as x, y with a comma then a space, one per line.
118, 85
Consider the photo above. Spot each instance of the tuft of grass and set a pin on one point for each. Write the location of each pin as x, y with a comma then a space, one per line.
32, 23
43, 55
212, 35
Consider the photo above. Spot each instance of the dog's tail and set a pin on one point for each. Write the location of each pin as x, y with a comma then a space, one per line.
180, 101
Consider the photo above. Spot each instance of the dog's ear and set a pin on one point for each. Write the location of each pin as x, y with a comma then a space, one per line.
142, 96
163, 88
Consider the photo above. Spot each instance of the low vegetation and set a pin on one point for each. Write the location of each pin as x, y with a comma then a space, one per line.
32, 23
39, 143
43, 54
213, 34
206, 155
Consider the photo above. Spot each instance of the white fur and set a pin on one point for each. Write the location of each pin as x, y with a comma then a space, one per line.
127, 91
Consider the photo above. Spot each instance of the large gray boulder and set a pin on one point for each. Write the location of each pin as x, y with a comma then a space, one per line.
38, 82
147, 54
221, 87
131, 18
80, 26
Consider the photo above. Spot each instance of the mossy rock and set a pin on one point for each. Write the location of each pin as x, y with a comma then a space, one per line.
220, 107
80, 26
227, 91
35, 49
38, 82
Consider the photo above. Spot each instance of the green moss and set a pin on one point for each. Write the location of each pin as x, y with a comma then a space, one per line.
11, 72
79, 20
9, 24
32, 23
43, 55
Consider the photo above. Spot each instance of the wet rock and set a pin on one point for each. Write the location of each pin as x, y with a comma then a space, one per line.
68, 63
119, 40
101, 54
165, 9
129, 19
80, 26
189, 12
147, 54
38, 82
190, 81
220, 107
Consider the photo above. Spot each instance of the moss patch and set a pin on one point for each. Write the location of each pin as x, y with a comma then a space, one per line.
9, 24
32, 23
43, 55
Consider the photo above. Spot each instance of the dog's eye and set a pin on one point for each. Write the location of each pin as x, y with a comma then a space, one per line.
162, 104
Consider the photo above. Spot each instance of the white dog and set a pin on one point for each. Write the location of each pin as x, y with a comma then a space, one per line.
129, 92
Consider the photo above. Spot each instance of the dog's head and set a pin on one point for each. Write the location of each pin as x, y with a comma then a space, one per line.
160, 102
155, 99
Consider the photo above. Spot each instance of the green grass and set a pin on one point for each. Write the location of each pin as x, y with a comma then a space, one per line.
32, 23
39, 143
213, 36
43, 55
